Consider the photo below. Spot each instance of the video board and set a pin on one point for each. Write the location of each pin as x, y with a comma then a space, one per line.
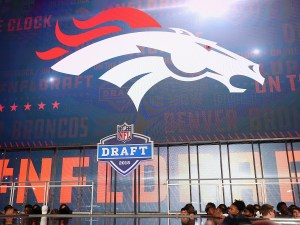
72, 71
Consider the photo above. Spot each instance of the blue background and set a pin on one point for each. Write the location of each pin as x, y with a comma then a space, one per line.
171, 111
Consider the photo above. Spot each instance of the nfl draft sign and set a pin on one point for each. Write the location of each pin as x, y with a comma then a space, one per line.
125, 149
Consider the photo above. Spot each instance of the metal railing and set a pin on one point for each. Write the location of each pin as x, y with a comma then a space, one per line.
47, 186
219, 184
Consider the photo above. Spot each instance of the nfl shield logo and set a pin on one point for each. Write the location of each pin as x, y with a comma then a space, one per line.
124, 132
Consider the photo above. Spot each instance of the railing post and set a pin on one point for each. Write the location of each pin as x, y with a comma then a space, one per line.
220, 186
168, 199
92, 198
263, 184
46, 193
12, 193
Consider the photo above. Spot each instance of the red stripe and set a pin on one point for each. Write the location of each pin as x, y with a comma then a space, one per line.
51, 53
78, 39
259, 135
274, 134
187, 137
133, 17
267, 135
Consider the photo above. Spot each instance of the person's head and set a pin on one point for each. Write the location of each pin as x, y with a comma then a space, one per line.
183, 211
282, 208
36, 209
190, 208
185, 220
218, 211
296, 212
54, 211
28, 209
256, 207
223, 208
64, 209
237, 207
210, 208
267, 211
9, 210
291, 208
249, 211
6, 207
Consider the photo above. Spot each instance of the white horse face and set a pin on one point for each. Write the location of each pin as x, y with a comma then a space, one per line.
199, 55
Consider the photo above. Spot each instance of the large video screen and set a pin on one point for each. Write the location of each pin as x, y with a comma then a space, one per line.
180, 71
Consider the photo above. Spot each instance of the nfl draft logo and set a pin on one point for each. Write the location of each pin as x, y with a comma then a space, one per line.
125, 150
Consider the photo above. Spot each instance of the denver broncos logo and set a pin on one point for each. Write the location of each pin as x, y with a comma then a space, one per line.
193, 58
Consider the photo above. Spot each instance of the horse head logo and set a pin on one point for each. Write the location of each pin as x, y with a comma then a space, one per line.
192, 58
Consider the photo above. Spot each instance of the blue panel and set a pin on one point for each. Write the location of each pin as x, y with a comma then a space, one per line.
106, 152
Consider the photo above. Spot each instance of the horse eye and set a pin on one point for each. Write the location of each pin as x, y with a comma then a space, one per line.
208, 47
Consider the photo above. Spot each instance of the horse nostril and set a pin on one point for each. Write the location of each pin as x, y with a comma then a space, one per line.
251, 67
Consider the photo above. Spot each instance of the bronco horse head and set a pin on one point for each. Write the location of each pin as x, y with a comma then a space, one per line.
192, 58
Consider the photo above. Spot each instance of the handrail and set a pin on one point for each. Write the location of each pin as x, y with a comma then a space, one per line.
47, 185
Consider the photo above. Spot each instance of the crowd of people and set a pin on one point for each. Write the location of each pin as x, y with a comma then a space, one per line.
36, 209
240, 213
237, 213
10, 214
